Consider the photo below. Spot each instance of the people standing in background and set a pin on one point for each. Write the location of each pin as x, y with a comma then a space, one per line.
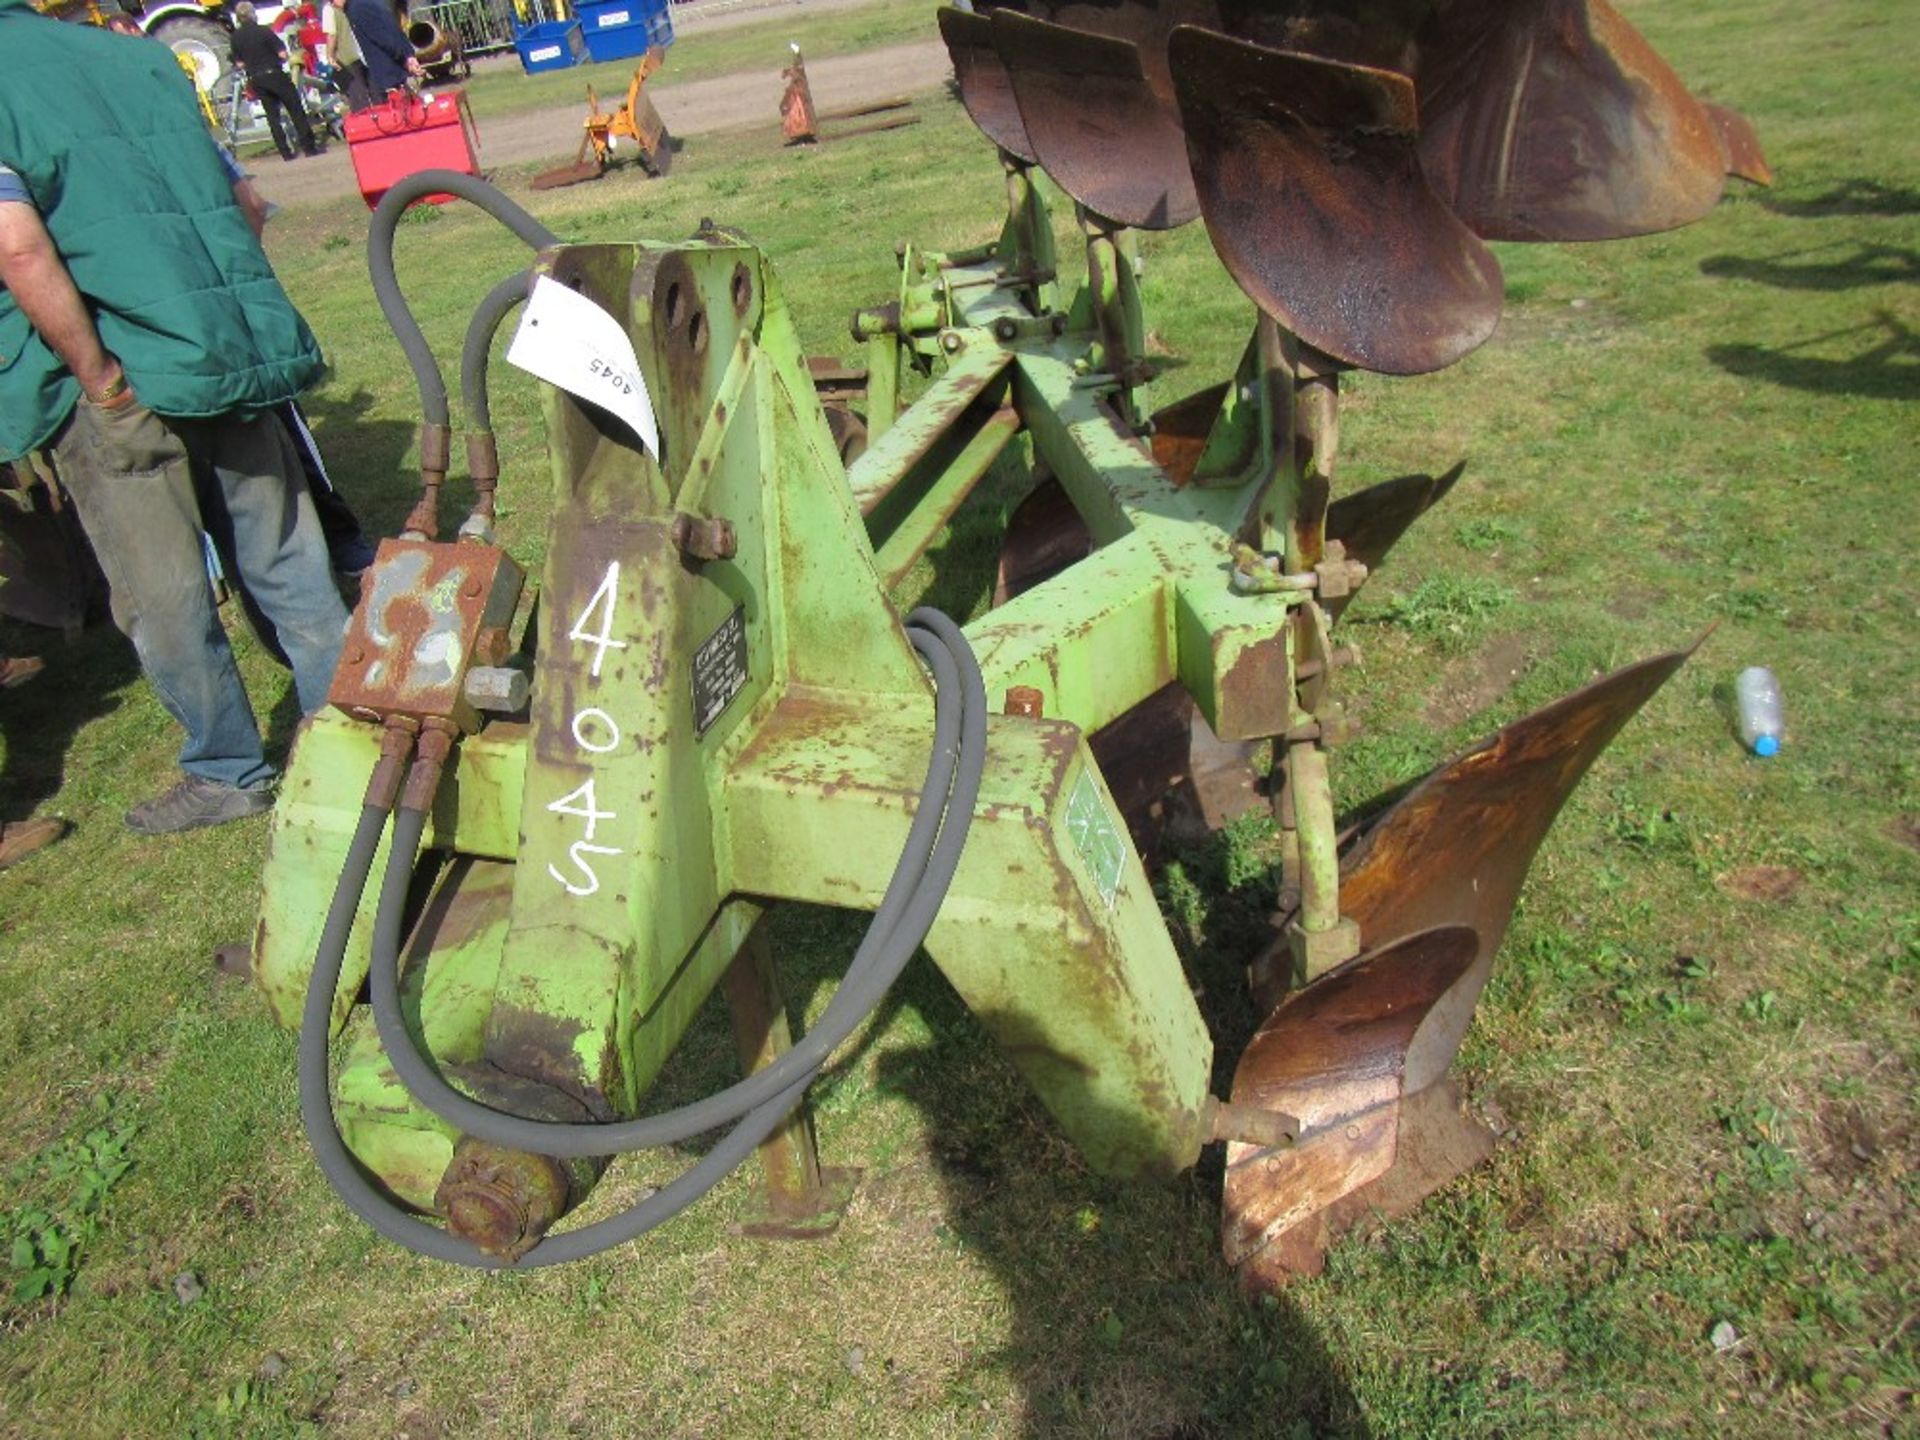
293, 26
350, 70
347, 544
383, 45
150, 368
259, 52
313, 41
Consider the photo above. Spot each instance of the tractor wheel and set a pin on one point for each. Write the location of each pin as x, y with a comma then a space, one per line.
204, 42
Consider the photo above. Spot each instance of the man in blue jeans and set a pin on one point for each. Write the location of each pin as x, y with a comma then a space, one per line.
145, 342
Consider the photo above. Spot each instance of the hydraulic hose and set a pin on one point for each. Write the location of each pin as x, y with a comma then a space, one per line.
483, 455
386, 285
755, 1106
474, 356
436, 421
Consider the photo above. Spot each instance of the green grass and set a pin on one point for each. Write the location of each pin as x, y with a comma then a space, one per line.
754, 50
1700, 1032
750, 48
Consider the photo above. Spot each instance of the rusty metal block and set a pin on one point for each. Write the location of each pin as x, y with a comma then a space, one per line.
424, 609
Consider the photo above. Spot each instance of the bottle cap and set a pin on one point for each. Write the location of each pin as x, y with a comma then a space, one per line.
1766, 745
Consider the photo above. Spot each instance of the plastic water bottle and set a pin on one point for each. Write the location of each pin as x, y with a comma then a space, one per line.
1762, 725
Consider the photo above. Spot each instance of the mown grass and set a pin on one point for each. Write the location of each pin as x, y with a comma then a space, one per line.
1699, 1039
499, 88
699, 53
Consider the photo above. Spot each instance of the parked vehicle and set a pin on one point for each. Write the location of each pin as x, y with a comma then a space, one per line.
198, 31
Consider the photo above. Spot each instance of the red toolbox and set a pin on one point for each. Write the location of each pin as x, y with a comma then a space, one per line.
409, 134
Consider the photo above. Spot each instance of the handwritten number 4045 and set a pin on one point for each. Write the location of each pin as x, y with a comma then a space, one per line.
593, 628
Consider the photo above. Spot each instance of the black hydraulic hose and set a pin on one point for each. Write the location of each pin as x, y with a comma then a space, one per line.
762, 1103
386, 285
474, 356
906, 912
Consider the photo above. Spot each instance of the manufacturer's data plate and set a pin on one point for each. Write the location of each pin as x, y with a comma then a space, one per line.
719, 670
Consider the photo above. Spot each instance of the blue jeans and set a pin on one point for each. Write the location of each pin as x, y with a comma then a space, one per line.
145, 489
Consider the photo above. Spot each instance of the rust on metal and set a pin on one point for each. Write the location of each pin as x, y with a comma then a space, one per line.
1255, 697
701, 537
796, 104
503, 1201
1316, 442
1309, 179
1172, 779
1181, 431
1556, 120
1740, 152
1435, 1142
1044, 535
1249, 1124
423, 609
578, 173
1026, 701
1456, 848
800, 1199
1448, 858
1334, 1057
1098, 109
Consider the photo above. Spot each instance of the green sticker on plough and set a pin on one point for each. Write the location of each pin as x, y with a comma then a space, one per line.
1095, 835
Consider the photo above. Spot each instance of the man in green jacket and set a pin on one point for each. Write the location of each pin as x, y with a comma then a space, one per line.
144, 341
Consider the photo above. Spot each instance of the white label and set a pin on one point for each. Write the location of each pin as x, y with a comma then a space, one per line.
567, 340
545, 52
618, 17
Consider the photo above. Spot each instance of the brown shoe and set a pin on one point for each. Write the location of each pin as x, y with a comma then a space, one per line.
20, 838
18, 669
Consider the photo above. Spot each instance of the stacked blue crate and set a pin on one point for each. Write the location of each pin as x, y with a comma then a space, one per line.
551, 46
618, 29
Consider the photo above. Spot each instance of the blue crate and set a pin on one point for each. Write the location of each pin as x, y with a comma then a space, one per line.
552, 46
619, 29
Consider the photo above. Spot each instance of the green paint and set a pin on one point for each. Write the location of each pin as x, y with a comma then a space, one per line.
600, 848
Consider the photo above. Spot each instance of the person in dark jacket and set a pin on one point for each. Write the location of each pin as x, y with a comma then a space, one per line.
261, 54
349, 69
383, 45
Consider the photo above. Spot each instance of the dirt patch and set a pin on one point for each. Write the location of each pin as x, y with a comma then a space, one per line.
1853, 1140
1905, 829
1775, 884
726, 102
1471, 684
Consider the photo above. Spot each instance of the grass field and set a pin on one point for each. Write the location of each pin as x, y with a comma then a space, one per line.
700, 54
502, 89
1700, 1038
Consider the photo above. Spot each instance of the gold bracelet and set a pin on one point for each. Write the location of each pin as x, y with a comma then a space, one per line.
116, 387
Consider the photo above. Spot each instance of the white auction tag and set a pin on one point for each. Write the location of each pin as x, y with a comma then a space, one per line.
567, 340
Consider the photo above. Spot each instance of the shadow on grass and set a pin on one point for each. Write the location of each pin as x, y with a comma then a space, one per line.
1850, 197
1888, 369
1123, 1318
366, 458
1865, 265
38, 720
